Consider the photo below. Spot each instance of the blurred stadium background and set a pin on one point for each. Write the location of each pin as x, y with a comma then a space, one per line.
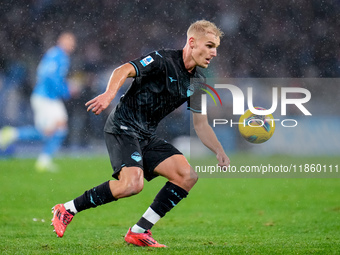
262, 39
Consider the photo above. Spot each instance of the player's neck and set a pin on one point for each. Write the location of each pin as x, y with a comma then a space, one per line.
188, 61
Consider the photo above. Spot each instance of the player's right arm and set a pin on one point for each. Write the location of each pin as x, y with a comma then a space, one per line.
117, 79
208, 137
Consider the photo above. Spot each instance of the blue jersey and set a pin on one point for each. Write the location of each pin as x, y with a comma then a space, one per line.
51, 75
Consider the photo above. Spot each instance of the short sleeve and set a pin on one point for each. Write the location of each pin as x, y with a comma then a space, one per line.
196, 90
148, 64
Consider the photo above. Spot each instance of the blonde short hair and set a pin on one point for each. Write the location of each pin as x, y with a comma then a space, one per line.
203, 27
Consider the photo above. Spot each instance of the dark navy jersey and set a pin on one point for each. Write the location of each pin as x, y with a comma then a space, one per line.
161, 85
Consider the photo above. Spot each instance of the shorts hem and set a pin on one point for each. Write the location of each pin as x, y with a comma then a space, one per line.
116, 172
153, 174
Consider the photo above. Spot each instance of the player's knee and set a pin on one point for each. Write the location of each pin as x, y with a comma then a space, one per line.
186, 179
191, 178
131, 182
134, 186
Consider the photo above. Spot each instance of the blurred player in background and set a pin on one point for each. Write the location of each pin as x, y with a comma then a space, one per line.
161, 84
50, 116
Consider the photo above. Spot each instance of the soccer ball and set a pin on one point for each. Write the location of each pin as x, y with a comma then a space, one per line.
256, 128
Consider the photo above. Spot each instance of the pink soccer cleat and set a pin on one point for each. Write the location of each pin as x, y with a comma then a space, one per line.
61, 218
142, 239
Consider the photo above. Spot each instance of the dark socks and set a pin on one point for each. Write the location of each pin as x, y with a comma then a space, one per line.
94, 197
168, 197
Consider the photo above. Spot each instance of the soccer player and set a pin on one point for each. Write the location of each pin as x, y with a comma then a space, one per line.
50, 116
161, 84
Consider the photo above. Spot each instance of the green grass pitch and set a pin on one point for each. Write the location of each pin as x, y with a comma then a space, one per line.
220, 215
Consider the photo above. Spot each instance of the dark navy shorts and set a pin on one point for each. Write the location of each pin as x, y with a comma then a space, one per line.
128, 151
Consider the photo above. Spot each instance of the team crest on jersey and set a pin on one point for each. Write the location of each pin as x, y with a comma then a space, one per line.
190, 91
136, 156
147, 60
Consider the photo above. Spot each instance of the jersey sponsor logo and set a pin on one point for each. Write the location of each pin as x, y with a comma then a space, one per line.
147, 60
172, 79
136, 156
123, 127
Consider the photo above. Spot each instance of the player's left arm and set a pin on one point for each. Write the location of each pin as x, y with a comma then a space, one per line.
209, 139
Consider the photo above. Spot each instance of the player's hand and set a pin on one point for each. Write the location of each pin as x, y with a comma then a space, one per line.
223, 159
98, 104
